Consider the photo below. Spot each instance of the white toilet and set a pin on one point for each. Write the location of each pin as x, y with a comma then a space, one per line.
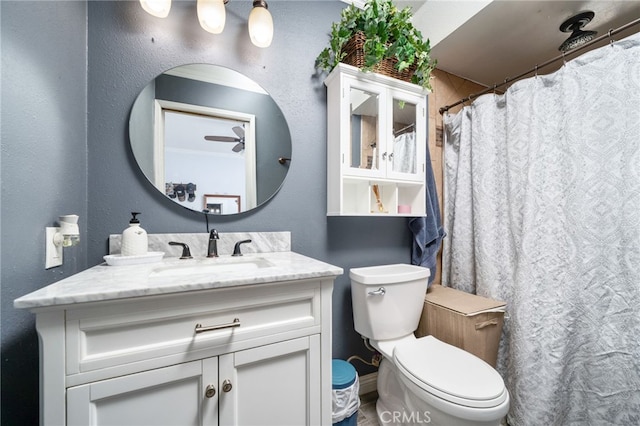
421, 381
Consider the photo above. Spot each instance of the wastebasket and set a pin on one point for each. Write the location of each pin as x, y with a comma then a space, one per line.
345, 393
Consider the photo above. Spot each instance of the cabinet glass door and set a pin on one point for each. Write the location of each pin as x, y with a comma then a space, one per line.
364, 127
406, 155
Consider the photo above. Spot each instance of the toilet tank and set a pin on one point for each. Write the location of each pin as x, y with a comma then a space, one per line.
388, 299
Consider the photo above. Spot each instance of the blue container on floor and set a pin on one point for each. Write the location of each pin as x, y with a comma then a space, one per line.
343, 380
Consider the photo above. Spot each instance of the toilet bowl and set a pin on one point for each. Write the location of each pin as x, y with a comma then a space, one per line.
420, 380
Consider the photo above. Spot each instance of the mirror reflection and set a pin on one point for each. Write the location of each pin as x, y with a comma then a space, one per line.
370, 147
364, 129
404, 137
210, 139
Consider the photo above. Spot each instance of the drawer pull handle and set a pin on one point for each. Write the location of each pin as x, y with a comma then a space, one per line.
201, 329
210, 391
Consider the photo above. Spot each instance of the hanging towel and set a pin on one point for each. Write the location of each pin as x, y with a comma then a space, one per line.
404, 153
427, 230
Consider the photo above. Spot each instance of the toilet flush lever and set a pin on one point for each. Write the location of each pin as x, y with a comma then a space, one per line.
379, 292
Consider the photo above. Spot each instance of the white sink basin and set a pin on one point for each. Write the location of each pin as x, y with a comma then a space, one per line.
184, 268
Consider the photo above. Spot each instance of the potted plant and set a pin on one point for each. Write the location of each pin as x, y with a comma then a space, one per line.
380, 38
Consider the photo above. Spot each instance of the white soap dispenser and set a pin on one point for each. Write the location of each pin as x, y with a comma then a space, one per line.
134, 238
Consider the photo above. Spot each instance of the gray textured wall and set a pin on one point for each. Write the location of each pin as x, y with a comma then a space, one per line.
51, 165
44, 173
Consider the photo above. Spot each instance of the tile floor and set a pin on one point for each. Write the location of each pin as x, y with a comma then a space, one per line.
367, 413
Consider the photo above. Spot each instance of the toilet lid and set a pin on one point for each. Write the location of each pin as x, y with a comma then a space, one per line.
450, 373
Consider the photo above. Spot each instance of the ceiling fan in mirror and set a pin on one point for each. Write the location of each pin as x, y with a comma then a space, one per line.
239, 140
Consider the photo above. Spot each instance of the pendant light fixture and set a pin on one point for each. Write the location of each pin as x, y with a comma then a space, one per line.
574, 26
212, 15
260, 24
157, 8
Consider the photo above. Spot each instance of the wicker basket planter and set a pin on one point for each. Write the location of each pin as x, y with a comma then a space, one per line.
354, 55
379, 37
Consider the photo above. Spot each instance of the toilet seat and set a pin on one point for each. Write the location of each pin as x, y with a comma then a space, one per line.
449, 373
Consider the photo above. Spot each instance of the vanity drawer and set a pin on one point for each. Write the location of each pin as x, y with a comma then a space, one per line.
163, 329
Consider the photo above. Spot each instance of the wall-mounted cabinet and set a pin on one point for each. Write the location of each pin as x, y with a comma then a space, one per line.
376, 147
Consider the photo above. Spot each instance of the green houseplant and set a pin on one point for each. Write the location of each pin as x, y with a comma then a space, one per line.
387, 36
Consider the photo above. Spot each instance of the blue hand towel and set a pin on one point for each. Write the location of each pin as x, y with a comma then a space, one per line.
427, 230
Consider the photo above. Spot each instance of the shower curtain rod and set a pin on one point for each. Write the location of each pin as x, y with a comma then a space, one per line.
537, 67
399, 131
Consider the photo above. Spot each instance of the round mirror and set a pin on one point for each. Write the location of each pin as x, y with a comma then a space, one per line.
210, 139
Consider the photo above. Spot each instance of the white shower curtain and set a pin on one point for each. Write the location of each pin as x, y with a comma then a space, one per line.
542, 210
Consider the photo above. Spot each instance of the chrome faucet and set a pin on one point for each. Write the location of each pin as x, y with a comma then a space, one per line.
212, 250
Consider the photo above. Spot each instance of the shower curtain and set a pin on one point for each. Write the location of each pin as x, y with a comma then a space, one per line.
542, 210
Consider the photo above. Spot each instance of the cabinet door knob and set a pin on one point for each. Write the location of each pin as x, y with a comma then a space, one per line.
391, 157
226, 386
210, 391
384, 155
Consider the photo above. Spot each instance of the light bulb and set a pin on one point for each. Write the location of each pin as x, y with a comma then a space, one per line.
212, 15
158, 8
260, 24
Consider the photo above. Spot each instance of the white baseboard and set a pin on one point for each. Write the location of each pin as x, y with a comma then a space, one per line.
368, 383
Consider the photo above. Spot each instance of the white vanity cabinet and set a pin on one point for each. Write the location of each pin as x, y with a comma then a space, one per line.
275, 384
376, 148
251, 352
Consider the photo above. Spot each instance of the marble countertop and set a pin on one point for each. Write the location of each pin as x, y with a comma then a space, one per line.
173, 275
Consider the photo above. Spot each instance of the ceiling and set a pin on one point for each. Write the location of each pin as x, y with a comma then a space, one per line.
489, 41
